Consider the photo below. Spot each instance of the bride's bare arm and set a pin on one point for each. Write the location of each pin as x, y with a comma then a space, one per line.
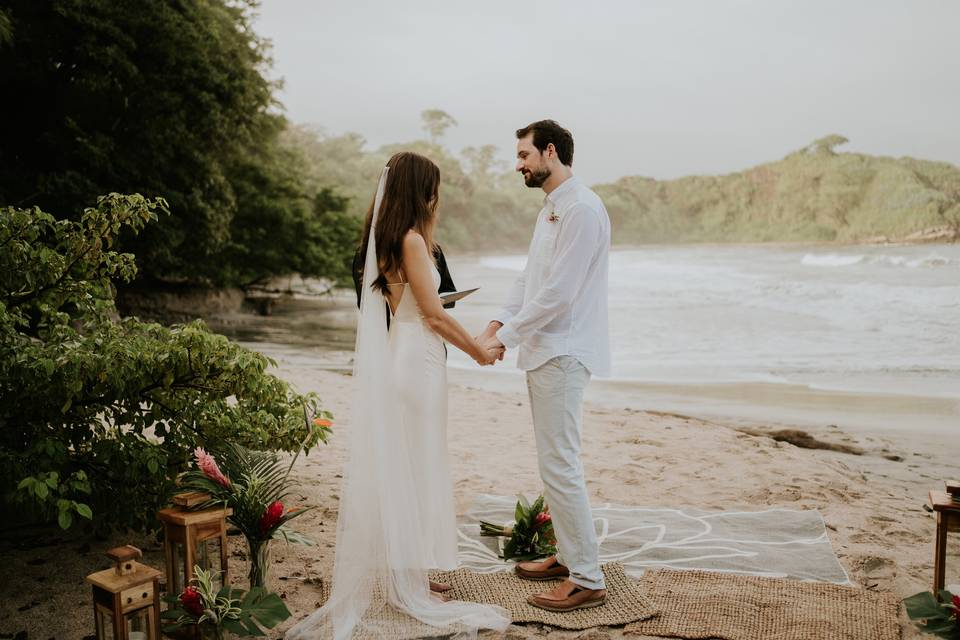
416, 264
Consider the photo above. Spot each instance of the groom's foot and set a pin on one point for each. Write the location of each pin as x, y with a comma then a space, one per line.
568, 596
548, 569
439, 587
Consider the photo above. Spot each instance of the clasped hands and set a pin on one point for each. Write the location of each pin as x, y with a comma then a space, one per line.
490, 345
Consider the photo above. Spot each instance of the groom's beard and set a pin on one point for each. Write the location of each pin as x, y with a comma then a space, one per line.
535, 179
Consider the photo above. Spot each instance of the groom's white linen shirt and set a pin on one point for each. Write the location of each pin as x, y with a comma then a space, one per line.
558, 306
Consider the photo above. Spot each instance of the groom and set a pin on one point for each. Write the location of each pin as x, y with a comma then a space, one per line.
556, 313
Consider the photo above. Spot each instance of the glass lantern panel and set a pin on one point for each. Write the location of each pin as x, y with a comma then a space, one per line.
140, 625
104, 618
951, 566
178, 580
208, 557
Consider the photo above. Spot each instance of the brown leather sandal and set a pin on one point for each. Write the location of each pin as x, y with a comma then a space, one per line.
579, 598
552, 572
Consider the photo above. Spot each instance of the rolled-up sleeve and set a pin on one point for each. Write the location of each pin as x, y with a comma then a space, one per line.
577, 246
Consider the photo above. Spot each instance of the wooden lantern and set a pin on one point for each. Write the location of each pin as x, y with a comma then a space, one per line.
947, 507
126, 598
194, 538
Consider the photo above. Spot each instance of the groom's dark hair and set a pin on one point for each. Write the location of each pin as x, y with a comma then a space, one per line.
550, 132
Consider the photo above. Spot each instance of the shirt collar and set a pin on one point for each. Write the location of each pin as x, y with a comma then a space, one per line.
566, 186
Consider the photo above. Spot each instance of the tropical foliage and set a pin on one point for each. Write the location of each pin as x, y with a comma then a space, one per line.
938, 617
213, 613
169, 99
814, 194
98, 414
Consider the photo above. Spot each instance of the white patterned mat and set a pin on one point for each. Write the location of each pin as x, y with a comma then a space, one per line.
776, 542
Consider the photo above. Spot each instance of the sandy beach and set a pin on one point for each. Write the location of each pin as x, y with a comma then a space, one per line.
756, 255
872, 504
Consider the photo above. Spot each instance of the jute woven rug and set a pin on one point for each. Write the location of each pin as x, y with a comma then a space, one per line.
625, 601
701, 604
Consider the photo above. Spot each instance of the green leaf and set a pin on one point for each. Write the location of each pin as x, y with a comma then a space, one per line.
294, 537
84, 511
65, 519
944, 629
537, 506
234, 626
522, 499
173, 599
40, 490
945, 597
269, 610
153, 465
922, 605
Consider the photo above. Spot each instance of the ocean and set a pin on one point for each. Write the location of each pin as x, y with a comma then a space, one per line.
863, 337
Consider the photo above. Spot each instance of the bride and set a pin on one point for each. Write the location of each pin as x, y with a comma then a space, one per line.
396, 514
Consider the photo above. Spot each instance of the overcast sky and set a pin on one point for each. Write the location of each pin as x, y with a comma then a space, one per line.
656, 88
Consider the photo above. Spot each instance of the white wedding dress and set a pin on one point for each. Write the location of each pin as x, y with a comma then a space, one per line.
418, 361
396, 515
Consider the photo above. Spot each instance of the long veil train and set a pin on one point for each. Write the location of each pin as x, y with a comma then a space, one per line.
380, 566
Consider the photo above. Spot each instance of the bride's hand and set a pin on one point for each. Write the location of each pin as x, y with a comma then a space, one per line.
487, 359
489, 355
496, 353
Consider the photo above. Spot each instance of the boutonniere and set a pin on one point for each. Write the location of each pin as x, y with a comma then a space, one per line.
553, 217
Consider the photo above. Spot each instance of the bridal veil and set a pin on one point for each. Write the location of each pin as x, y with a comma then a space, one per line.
381, 567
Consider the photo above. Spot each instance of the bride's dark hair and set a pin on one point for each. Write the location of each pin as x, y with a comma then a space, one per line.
410, 199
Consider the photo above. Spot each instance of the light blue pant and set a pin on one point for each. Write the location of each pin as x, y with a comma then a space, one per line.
556, 400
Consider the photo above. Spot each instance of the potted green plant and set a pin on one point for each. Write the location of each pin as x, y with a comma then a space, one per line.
214, 613
938, 617
254, 485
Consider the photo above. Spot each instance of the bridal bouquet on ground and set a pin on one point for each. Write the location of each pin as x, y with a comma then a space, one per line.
939, 617
530, 536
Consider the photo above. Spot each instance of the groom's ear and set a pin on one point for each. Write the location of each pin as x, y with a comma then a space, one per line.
550, 150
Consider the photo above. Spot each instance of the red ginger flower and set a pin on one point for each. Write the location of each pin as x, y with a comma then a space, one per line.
956, 608
208, 465
192, 602
541, 519
271, 517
